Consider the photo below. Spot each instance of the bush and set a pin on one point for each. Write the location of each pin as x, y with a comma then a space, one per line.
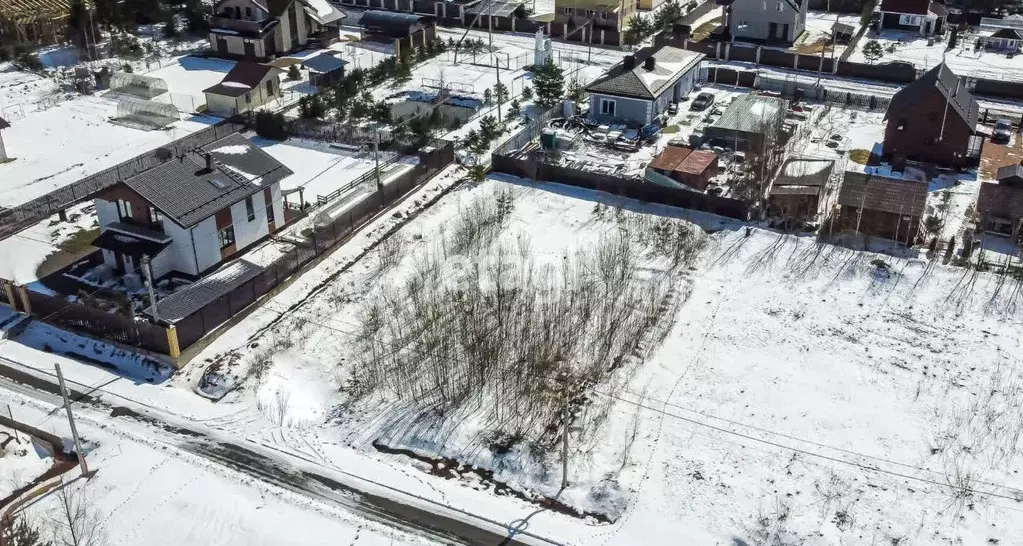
271, 125
29, 61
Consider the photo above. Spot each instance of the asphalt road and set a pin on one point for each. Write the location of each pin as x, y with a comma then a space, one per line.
418, 516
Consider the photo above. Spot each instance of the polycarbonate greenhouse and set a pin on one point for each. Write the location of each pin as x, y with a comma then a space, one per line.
146, 112
137, 84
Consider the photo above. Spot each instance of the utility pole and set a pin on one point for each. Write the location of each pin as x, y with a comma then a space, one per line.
500, 95
148, 272
376, 157
564, 433
71, 420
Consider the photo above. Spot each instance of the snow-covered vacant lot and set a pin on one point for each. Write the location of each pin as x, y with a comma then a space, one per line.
803, 393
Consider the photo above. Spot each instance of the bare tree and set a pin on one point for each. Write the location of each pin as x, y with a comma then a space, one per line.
74, 521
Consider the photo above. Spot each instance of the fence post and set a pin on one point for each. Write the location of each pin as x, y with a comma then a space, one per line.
26, 305
174, 349
10, 293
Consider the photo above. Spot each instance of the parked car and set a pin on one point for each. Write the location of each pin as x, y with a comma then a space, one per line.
1003, 131
702, 101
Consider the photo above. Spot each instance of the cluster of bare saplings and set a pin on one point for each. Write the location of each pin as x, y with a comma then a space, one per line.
485, 322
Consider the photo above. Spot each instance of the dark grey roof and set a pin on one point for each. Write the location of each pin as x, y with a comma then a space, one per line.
1010, 171
1008, 33
880, 193
324, 62
747, 113
185, 302
125, 243
188, 193
4, 124
937, 9
243, 77
391, 22
670, 64
952, 88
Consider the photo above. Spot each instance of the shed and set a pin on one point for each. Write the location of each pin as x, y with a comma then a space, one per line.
843, 33
325, 69
881, 206
1009, 175
747, 121
3, 151
693, 168
391, 24
1000, 208
245, 88
795, 193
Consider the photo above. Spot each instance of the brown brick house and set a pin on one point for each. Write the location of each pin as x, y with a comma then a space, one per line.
933, 120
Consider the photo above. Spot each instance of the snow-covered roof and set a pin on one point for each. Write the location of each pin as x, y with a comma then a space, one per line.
634, 77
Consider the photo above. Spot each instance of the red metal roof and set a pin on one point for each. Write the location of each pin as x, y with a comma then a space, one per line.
670, 158
697, 162
916, 7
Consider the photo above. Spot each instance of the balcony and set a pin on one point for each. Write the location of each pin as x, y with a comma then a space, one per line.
144, 230
238, 25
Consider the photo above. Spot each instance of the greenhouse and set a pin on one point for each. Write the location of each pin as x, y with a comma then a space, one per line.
146, 87
145, 113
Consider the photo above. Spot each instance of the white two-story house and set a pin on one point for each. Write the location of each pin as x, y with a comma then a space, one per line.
263, 29
191, 213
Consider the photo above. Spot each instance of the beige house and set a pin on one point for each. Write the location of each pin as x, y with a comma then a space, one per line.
263, 29
247, 87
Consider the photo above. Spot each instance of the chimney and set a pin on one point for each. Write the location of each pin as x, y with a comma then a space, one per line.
649, 64
209, 161
629, 62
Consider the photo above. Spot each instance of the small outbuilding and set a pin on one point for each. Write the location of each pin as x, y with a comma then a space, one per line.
1000, 205
1004, 39
404, 30
325, 69
843, 33
796, 193
694, 168
880, 206
746, 125
3, 151
246, 88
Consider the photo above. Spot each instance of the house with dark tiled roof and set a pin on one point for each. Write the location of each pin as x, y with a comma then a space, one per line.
933, 120
246, 88
923, 16
765, 21
642, 86
1004, 39
264, 29
192, 212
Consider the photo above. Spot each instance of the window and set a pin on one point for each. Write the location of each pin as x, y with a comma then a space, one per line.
155, 217
607, 107
910, 20
270, 87
589, 13
566, 11
603, 14
248, 12
123, 209
250, 208
226, 237
270, 213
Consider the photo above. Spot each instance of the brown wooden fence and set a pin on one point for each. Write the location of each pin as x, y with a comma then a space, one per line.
90, 320
322, 240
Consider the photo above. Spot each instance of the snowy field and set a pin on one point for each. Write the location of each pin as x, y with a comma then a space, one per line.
74, 139
21, 92
963, 59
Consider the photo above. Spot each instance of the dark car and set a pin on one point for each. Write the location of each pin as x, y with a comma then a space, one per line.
1003, 131
702, 101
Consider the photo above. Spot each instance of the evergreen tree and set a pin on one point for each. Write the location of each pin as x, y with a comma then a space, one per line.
639, 27
873, 51
669, 14
549, 80
20, 533
170, 29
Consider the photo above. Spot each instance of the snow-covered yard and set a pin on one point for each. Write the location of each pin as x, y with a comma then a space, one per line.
818, 33
963, 59
33, 244
191, 75
74, 139
20, 92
